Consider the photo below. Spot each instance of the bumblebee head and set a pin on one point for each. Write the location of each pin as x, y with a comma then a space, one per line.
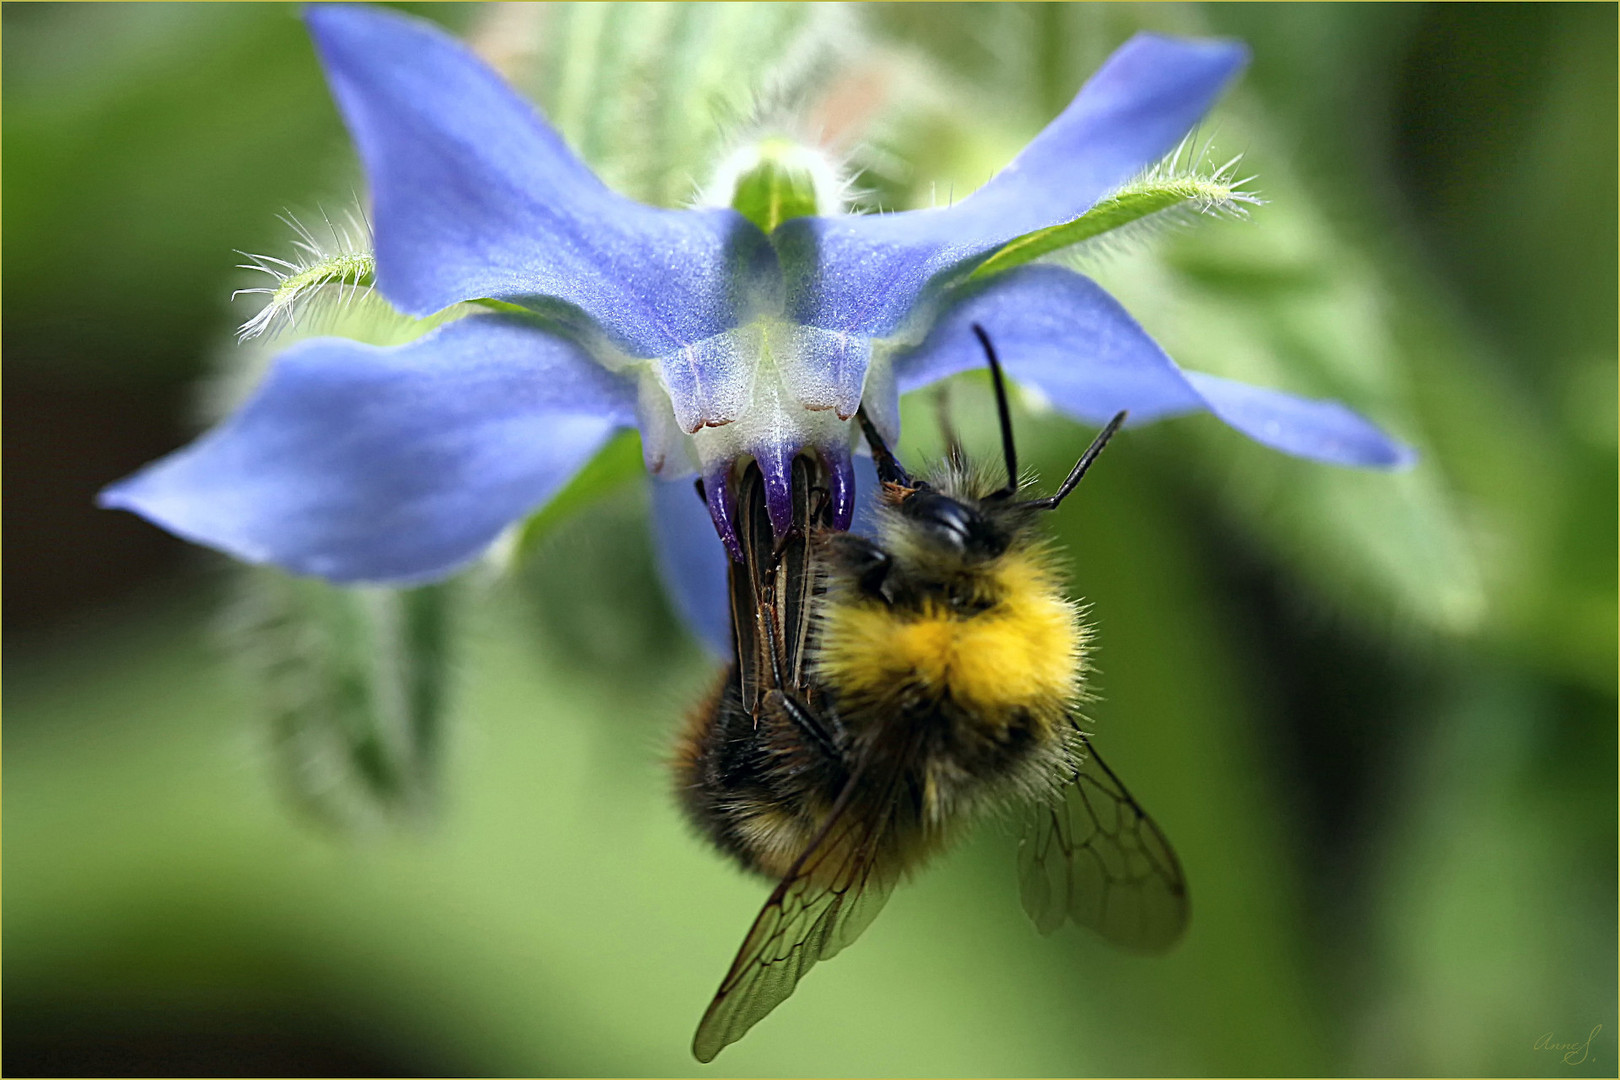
952, 526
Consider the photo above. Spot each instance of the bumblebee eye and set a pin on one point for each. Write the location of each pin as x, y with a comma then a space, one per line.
954, 525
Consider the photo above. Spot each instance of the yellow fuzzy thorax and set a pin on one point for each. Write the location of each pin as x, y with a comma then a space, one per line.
1025, 651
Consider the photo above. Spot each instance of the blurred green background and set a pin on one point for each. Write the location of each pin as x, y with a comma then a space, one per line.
1376, 714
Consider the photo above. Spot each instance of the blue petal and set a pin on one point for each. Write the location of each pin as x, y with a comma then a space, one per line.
476, 196
358, 463
865, 274
1062, 334
829, 368
693, 562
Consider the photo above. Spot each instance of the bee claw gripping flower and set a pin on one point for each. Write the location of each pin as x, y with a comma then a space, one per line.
720, 341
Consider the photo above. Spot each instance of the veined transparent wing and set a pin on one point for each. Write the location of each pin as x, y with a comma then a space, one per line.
833, 892
1096, 857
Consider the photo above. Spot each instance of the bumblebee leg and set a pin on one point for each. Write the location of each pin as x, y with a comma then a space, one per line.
795, 533
889, 469
809, 724
820, 499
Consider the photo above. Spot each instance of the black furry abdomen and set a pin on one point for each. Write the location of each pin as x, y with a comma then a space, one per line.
758, 788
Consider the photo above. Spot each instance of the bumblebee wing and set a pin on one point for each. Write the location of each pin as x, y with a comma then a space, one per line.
1095, 857
828, 898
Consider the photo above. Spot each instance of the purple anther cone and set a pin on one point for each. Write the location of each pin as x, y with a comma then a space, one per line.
723, 508
776, 465
841, 481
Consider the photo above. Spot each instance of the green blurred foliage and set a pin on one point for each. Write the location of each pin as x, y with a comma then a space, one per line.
124, 125
1375, 713
352, 684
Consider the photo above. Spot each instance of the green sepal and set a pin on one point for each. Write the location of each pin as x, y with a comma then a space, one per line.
775, 190
352, 685
1133, 204
330, 278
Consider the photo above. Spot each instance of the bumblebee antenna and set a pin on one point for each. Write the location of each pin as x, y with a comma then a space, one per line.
1009, 452
1080, 467
889, 469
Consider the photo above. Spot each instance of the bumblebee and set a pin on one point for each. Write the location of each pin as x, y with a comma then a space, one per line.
885, 692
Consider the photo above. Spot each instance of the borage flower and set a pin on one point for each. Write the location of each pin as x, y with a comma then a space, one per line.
748, 330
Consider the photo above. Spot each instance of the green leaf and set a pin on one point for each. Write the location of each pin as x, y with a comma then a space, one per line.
615, 465
596, 604
352, 686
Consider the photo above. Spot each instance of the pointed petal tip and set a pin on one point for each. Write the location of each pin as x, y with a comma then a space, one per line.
132, 493
1320, 430
1231, 50
160, 494
114, 496
330, 24
1400, 456
1210, 62
1373, 449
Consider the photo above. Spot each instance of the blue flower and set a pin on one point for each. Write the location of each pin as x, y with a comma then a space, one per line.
719, 341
